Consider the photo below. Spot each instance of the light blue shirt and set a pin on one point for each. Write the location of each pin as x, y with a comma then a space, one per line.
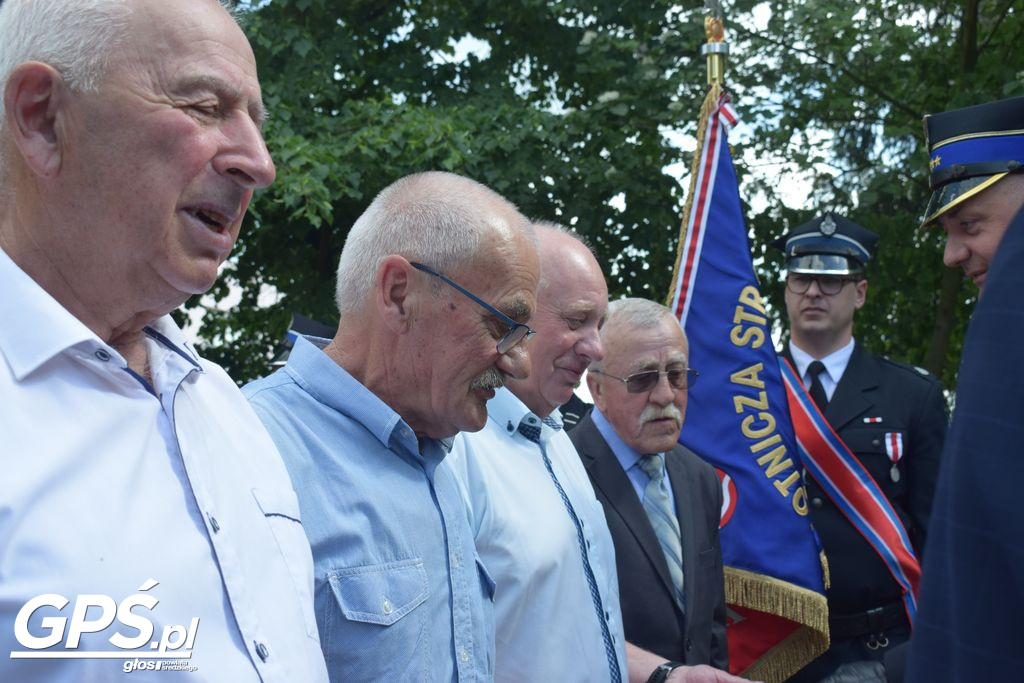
628, 458
111, 488
400, 593
547, 629
835, 365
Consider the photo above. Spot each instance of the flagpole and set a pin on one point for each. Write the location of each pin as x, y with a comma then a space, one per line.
716, 49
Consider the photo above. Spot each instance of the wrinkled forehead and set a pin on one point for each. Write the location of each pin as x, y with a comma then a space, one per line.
645, 348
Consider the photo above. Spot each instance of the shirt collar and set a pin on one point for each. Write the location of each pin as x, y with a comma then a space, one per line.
507, 411
36, 328
44, 329
835, 363
624, 453
332, 385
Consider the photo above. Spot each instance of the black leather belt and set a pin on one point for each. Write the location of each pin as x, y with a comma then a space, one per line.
873, 621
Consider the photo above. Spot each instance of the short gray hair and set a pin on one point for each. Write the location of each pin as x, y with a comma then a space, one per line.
75, 37
635, 313
434, 217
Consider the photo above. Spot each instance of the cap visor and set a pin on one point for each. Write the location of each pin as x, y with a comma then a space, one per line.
822, 264
952, 194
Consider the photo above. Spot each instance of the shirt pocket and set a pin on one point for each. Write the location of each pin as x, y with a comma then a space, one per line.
281, 510
376, 613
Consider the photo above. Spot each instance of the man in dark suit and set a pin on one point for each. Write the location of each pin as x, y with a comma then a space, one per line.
661, 501
891, 416
968, 626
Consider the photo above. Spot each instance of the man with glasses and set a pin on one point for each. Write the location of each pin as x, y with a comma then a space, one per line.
436, 283
662, 501
892, 418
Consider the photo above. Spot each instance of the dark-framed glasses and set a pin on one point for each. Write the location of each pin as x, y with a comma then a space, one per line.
517, 332
799, 283
640, 382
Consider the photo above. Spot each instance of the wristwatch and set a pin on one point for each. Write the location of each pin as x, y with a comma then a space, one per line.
661, 673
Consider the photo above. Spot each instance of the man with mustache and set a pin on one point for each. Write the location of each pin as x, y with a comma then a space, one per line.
662, 501
891, 416
539, 528
436, 283
130, 147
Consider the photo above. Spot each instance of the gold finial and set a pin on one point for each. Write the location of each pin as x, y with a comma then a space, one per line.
716, 48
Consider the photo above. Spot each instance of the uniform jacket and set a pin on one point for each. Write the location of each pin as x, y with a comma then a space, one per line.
972, 596
651, 617
909, 402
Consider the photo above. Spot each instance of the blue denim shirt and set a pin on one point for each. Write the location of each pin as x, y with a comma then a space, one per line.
400, 593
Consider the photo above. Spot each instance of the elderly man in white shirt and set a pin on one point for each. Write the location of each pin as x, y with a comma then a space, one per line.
146, 520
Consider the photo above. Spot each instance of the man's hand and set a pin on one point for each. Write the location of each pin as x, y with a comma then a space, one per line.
702, 674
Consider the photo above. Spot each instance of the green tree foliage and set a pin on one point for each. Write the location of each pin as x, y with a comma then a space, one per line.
839, 90
566, 116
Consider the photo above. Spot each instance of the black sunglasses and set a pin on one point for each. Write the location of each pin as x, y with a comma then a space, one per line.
639, 382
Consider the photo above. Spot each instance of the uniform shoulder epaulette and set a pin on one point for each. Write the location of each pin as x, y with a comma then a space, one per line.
915, 370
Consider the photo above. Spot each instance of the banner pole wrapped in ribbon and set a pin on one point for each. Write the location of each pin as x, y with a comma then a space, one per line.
738, 418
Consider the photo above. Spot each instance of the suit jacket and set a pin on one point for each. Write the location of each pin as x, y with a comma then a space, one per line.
909, 402
651, 617
972, 597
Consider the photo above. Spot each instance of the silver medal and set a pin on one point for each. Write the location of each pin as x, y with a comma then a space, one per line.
894, 473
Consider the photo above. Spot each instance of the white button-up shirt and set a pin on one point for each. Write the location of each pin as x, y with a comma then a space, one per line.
112, 488
546, 627
835, 365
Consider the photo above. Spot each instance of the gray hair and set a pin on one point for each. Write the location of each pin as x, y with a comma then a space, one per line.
75, 37
434, 217
634, 313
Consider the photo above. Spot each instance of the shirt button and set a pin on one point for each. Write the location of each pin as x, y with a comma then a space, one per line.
262, 651
213, 523
463, 655
876, 443
387, 607
817, 502
102, 355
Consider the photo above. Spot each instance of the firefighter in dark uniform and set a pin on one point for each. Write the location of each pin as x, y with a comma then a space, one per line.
891, 416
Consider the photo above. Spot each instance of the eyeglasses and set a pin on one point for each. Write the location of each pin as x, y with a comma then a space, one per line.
639, 382
517, 332
799, 283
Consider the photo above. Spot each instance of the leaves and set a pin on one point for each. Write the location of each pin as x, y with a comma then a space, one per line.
563, 107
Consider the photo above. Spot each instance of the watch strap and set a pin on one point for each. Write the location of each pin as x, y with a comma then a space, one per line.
661, 673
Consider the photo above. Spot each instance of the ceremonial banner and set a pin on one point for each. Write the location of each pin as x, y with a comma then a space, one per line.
738, 420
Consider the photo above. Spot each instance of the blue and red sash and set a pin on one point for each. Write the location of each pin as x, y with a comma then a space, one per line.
850, 486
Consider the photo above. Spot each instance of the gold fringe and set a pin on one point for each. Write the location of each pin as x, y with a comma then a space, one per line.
710, 102
783, 599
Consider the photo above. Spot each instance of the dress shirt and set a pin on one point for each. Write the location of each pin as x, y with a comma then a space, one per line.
835, 365
629, 459
544, 613
400, 592
110, 483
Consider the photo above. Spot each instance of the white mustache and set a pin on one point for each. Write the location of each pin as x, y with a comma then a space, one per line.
489, 379
652, 412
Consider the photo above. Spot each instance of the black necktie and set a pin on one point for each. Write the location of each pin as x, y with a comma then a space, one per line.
817, 390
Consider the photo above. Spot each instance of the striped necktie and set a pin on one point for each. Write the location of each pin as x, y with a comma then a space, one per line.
658, 507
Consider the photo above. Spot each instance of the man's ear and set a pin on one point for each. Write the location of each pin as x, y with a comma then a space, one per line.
34, 97
861, 294
393, 290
